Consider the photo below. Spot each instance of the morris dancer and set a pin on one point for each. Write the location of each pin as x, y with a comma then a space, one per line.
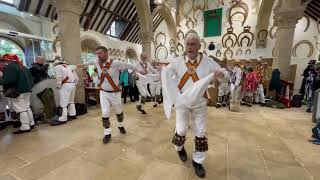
110, 93
190, 69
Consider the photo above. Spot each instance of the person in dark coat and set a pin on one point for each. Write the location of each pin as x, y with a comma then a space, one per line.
275, 82
17, 83
305, 75
39, 70
312, 84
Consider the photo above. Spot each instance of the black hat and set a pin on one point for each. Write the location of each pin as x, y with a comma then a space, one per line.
211, 46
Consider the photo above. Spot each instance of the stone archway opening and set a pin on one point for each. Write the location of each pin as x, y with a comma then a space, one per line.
131, 55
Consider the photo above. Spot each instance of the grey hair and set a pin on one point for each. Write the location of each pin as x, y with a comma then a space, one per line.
192, 36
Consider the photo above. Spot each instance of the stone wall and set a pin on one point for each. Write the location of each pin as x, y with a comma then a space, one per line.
253, 5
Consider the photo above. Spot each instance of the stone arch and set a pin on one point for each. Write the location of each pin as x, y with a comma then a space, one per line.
89, 42
131, 53
16, 25
144, 14
165, 12
15, 22
264, 16
145, 23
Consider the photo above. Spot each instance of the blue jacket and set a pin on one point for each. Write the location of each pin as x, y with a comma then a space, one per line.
124, 78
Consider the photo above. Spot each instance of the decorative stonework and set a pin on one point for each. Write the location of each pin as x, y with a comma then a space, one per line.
71, 6
288, 13
287, 18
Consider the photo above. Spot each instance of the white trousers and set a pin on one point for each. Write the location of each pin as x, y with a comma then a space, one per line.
223, 89
21, 105
142, 87
67, 93
198, 116
4, 102
155, 88
107, 100
234, 93
260, 94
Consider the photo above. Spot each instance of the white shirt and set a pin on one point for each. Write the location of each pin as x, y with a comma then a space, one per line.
63, 71
141, 70
226, 76
113, 71
236, 76
178, 68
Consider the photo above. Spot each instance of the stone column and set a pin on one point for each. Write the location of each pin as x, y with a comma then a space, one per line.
146, 39
68, 16
286, 16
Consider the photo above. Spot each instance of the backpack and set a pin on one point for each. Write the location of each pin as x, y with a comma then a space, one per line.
296, 101
316, 132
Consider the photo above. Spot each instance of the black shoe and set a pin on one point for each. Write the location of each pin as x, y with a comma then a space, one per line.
314, 136
155, 105
139, 107
183, 154
57, 122
32, 127
3, 126
218, 106
106, 139
224, 105
199, 170
249, 105
21, 131
263, 104
72, 117
308, 110
16, 124
122, 130
143, 111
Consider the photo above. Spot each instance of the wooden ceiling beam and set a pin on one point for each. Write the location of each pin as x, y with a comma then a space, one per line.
118, 15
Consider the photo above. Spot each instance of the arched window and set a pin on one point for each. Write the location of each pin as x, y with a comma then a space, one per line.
89, 57
8, 46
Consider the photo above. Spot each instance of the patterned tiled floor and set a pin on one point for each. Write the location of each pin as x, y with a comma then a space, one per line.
256, 144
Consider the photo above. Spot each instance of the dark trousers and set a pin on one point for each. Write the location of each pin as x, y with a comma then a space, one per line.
129, 90
136, 93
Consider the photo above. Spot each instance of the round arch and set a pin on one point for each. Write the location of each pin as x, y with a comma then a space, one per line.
264, 16
131, 54
165, 12
89, 43
144, 14
14, 22
8, 45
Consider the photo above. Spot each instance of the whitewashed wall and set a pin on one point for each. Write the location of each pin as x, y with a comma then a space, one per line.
162, 28
301, 60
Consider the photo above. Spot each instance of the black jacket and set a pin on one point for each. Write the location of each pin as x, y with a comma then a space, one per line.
39, 72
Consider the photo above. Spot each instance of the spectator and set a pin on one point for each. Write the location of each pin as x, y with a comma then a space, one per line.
305, 75
124, 82
312, 84
39, 70
17, 84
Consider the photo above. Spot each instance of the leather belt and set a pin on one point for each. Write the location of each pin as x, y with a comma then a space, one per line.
109, 91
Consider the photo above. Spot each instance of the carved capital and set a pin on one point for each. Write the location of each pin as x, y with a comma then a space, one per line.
71, 6
287, 18
287, 13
